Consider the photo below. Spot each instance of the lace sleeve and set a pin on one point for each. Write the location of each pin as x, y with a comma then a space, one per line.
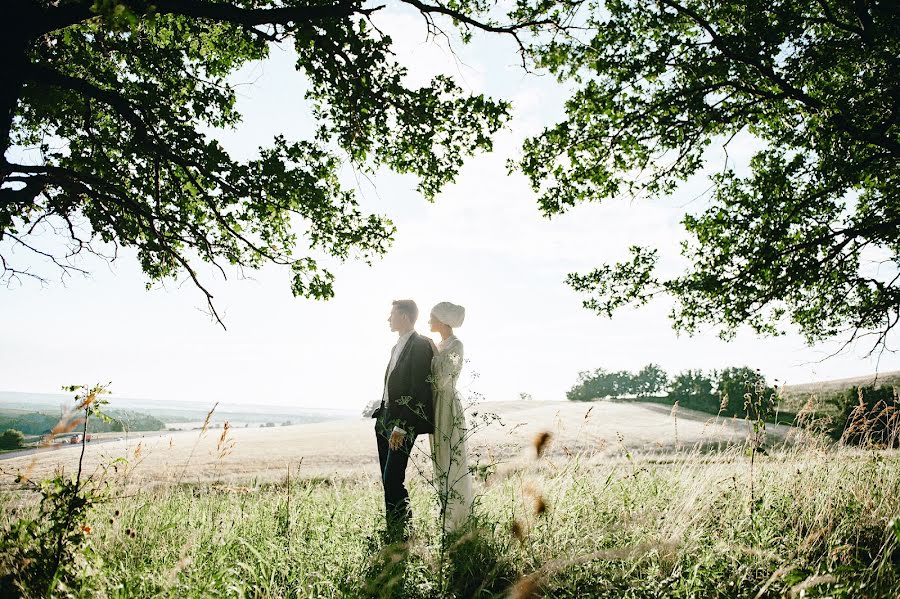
448, 364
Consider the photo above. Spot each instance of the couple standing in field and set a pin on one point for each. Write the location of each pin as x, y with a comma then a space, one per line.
420, 397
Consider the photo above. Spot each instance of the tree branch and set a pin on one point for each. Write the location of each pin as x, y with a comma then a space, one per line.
34, 186
831, 19
463, 18
837, 118
226, 12
512, 29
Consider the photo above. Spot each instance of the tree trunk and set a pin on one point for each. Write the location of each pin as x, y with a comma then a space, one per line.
19, 21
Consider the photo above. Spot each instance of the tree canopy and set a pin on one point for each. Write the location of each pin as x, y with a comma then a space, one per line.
692, 383
811, 236
115, 96
744, 391
601, 383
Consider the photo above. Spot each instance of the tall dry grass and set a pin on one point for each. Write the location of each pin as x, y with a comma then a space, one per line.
802, 518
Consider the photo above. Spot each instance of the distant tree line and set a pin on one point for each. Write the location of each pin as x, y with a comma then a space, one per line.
856, 415
724, 392
600, 383
40, 423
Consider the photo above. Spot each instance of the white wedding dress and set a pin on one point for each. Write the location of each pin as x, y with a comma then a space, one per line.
452, 478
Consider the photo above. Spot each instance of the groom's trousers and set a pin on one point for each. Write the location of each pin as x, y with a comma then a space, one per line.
393, 475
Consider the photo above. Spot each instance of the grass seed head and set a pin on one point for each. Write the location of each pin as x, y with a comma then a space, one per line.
674, 412
527, 588
540, 442
517, 530
799, 590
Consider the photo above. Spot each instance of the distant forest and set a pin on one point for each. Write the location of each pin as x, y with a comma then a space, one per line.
39, 423
852, 412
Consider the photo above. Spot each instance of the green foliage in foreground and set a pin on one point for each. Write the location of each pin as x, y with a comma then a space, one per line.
51, 550
821, 520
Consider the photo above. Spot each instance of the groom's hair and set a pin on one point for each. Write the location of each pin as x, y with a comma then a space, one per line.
408, 307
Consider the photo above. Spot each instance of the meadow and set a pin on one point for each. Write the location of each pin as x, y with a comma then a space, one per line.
708, 509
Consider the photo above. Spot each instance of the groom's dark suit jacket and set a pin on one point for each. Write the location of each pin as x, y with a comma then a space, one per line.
410, 403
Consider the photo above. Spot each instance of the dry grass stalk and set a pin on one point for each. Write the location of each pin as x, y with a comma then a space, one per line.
527, 587
539, 505
540, 442
517, 530
878, 427
224, 445
674, 412
812, 581
69, 421
203, 430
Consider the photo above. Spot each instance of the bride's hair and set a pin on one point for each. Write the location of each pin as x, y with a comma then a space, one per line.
408, 307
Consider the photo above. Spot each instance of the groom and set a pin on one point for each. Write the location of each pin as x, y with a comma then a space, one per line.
406, 410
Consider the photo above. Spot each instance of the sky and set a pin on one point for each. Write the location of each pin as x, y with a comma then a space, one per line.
483, 244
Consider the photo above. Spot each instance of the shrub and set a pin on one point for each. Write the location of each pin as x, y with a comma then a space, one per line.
11, 439
46, 555
735, 385
50, 555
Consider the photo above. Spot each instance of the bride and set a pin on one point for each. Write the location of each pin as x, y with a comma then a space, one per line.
448, 442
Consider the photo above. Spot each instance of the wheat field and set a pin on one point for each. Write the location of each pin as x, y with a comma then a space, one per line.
346, 448
624, 500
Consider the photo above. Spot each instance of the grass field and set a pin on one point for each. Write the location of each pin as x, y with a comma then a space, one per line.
599, 514
342, 449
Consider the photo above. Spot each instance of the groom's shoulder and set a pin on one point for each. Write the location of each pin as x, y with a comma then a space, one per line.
421, 342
